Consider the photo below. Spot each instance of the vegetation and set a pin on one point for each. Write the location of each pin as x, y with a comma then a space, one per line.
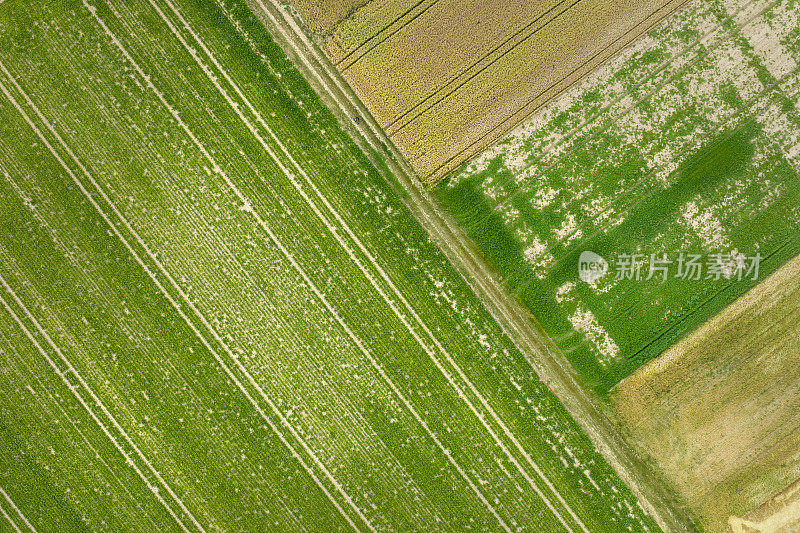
447, 78
215, 314
685, 143
717, 411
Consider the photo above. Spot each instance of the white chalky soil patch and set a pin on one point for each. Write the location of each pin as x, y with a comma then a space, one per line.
584, 321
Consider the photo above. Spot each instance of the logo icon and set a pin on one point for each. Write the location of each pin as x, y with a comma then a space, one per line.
591, 267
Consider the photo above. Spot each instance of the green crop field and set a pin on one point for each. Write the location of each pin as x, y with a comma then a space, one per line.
215, 314
688, 142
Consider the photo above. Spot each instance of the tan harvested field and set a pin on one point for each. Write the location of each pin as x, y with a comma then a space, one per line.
718, 412
447, 78
781, 514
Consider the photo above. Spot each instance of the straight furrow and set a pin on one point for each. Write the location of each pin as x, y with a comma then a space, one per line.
530, 105
103, 299
10, 520
17, 511
247, 206
73, 388
472, 267
372, 261
174, 303
353, 416
453, 84
387, 36
23, 363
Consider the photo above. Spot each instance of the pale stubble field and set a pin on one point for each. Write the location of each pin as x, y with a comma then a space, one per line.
717, 412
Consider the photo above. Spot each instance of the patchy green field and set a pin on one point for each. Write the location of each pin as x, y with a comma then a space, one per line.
216, 315
689, 141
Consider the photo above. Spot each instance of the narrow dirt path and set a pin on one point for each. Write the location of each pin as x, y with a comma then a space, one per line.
548, 362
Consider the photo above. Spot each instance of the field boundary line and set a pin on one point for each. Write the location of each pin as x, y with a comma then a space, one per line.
63, 375
290, 258
169, 297
377, 266
714, 295
17, 510
279, 163
540, 353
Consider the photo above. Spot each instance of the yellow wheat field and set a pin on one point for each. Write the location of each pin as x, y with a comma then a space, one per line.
447, 78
